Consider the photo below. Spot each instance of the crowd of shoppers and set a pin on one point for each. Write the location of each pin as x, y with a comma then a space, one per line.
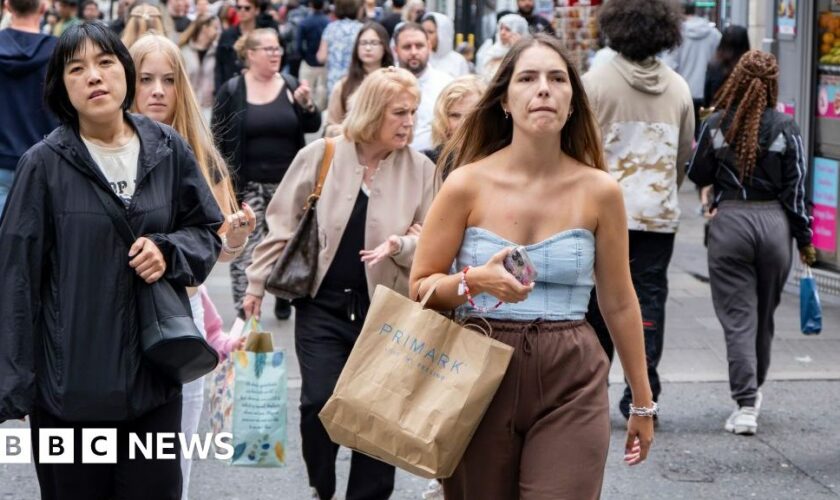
190, 118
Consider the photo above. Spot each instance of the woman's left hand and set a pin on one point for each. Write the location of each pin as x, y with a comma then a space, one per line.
303, 94
388, 248
639, 439
147, 260
240, 224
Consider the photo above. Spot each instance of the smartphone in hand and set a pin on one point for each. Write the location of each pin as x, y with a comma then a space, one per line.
520, 266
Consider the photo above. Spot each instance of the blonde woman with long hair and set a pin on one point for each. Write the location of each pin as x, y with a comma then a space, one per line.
164, 94
143, 18
454, 103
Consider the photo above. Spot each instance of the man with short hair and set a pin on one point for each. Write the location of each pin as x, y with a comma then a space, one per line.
24, 53
393, 18
308, 40
536, 24
411, 45
177, 10
90, 11
67, 11
700, 39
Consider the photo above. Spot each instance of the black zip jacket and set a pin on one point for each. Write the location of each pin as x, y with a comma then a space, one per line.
69, 340
228, 122
779, 173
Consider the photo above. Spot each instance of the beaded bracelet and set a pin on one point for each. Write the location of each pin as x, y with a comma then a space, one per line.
464, 289
642, 411
233, 250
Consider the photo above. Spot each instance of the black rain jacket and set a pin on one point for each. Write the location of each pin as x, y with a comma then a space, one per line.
69, 340
779, 175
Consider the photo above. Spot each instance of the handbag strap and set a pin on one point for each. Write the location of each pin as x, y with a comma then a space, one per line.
115, 213
329, 152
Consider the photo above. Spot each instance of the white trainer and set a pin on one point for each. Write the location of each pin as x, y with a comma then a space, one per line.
434, 491
743, 421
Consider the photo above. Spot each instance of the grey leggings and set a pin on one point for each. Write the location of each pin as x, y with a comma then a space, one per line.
749, 262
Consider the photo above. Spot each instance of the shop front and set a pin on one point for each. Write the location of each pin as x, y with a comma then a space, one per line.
805, 36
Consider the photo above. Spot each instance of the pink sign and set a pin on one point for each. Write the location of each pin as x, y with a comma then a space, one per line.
786, 108
828, 97
825, 228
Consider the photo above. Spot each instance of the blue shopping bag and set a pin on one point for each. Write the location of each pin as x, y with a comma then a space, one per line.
248, 400
810, 311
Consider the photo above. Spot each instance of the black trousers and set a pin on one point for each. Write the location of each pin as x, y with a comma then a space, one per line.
650, 255
324, 337
139, 479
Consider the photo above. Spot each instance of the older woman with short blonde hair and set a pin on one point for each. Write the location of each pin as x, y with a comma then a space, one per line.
374, 198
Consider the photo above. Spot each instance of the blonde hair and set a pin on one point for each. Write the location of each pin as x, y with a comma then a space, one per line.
187, 120
457, 89
142, 19
369, 103
250, 41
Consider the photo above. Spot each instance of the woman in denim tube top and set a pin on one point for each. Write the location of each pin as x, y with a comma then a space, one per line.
531, 173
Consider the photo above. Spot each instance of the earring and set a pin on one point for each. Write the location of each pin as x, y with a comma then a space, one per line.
507, 115
571, 110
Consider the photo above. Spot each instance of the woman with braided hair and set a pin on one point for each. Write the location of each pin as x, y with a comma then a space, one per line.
753, 157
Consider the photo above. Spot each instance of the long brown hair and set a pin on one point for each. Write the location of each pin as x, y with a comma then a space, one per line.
356, 71
752, 87
487, 130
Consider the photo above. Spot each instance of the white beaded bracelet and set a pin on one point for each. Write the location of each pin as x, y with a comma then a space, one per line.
642, 411
233, 250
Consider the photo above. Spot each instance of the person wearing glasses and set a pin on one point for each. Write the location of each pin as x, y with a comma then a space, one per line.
228, 64
259, 121
369, 54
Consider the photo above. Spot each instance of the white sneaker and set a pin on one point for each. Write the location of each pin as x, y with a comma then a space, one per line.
434, 491
743, 421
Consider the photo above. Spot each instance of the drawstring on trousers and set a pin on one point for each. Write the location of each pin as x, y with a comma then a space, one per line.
531, 329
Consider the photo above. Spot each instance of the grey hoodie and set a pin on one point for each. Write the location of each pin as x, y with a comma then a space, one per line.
646, 118
700, 41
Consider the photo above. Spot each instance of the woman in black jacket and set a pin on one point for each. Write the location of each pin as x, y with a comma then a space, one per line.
70, 353
753, 156
259, 120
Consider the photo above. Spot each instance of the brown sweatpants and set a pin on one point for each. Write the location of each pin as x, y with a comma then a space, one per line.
546, 433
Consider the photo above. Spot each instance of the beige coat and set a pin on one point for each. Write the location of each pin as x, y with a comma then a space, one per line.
400, 195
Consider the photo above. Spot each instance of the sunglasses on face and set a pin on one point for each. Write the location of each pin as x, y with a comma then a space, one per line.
370, 43
246, 8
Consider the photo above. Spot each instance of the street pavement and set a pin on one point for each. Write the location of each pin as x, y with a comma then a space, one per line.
795, 455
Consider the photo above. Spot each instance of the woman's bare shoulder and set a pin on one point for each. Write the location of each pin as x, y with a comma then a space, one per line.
464, 180
598, 182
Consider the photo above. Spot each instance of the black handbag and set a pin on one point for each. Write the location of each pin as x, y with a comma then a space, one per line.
294, 272
171, 342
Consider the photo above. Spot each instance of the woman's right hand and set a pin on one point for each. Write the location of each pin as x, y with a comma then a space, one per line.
494, 279
251, 306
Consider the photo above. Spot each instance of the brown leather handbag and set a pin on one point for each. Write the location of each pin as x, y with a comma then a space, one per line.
294, 272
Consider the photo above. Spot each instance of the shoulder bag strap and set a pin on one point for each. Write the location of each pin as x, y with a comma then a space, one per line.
329, 152
116, 214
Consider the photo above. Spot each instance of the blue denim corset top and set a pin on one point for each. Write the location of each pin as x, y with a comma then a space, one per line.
564, 265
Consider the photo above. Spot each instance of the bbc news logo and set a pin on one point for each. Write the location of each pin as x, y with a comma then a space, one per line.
99, 446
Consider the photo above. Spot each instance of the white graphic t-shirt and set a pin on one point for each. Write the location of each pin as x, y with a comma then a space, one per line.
118, 165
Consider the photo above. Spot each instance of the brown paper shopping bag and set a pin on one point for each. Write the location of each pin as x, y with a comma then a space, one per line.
415, 386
